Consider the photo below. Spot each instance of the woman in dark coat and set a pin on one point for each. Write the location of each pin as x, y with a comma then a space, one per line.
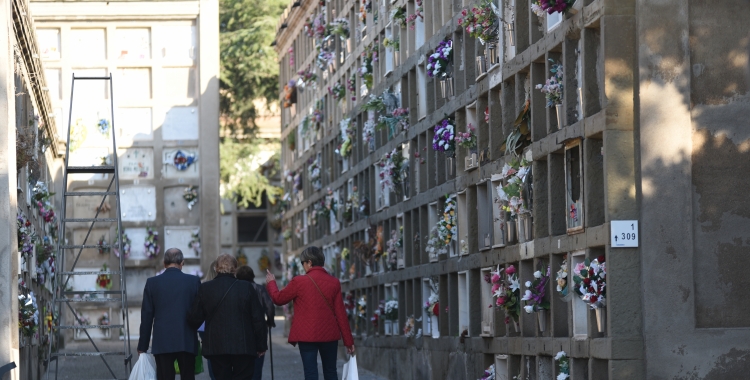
233, 340
319, 316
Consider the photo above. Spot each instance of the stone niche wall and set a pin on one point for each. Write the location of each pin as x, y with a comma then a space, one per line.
176, 210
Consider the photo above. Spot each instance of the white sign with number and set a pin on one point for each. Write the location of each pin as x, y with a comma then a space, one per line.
624, 233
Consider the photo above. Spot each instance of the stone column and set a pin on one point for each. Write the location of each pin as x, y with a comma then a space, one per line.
8, 240
208, 66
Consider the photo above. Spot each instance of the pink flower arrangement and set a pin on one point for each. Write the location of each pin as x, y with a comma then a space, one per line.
418, 13
539, 7
534, 295
480, 22
467, 139
506, 290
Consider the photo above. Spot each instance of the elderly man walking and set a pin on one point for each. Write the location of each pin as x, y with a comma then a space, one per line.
235, 329
166, 301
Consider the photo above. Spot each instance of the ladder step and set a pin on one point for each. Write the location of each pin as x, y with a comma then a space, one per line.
91, 78
87, 220
101, 169
89, 272
114, 353
97, 300
83, 327
88, 193
74, 292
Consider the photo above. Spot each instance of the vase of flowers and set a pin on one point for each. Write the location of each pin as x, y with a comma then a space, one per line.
432, 307
103, 322
540, 7
391, 317
481, 21
439, 62
152, 243
443, 139
104, 281
511, 194
553, 91
507, 293
590, 283
534, 297
103, 246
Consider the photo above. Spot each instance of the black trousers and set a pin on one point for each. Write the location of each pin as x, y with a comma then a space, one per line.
165, 365
233, 367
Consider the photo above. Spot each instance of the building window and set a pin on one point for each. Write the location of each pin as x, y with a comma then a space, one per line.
252, 229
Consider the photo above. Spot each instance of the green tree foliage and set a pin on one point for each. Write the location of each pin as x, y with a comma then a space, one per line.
248, 170
249, 67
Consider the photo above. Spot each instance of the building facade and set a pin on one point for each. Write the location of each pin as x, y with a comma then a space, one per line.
599, 136
164, 60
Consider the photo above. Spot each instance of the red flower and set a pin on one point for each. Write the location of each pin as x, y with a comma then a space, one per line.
591, 272
436, 309
600, 259
587, 281
594, 299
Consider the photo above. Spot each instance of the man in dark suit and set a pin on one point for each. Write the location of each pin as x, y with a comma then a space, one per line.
166, 301
235, 329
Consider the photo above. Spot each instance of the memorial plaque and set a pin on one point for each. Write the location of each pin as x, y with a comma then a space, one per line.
134, 316
88, 44
133, 84
134, 124
136, 280
179, 237
176, 210
91, 256
84, 282
138, 203
227, 228
178, 42
93, 316
85, 207
49, 44
137, 237
180, 123
136, 163
170, 171
133, 43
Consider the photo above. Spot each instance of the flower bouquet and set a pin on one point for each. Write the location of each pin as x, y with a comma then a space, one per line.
195, 242
125, 245
553, 87
563, 365
562, 278
319, 26
467, 139
418, 14
103, 126
435, 245
103, 246
309, 27
444, 138
437, 62
339, 27
351, 86
507, 292
489, 373
190, 195
392, 249
152, 243
369, 57
28, 315
391, 310
313, 170
338, 91
390, 170
307, 76
432, 305
590, 282
103, 321
511, 194
104, 281
481, 21
290, 94
540, 7
447, 224
534, 297
348, 128
392, 44
398, 16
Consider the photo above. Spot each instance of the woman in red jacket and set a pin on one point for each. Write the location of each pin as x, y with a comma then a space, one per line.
319, 316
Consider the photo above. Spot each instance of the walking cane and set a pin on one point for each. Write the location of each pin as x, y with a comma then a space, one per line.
270, 347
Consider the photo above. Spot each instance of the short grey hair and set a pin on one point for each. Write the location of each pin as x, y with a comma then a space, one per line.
173, 256
314, 255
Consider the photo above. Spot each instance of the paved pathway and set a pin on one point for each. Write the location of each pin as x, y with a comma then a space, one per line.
287, 362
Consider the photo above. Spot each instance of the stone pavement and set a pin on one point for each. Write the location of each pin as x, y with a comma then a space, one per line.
287, 362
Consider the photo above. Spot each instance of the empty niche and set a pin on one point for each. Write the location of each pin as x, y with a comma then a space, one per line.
99, 236
181, 163
463, 303
499, 229
180, 123
463, 224
176, 208
484, 213
138, 203
134, 124
136, 163
574, 186
86, 206
487, 307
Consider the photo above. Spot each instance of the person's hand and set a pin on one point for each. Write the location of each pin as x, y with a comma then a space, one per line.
350, 350
261, 353
269, 277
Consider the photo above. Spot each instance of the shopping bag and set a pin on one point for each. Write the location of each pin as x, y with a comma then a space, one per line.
144, 368
198, 363
350, 369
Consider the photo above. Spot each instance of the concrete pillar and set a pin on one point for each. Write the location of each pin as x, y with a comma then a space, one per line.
208, 24
8, 240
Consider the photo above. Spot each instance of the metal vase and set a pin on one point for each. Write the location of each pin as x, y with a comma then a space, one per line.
601, 319
541, 316
510, 229
481, 65
446, 87
396, 58
559, 110
491, 52
443, 89
511, 34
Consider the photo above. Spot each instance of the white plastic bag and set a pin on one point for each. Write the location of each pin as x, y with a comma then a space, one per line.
144, 368
350, 369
